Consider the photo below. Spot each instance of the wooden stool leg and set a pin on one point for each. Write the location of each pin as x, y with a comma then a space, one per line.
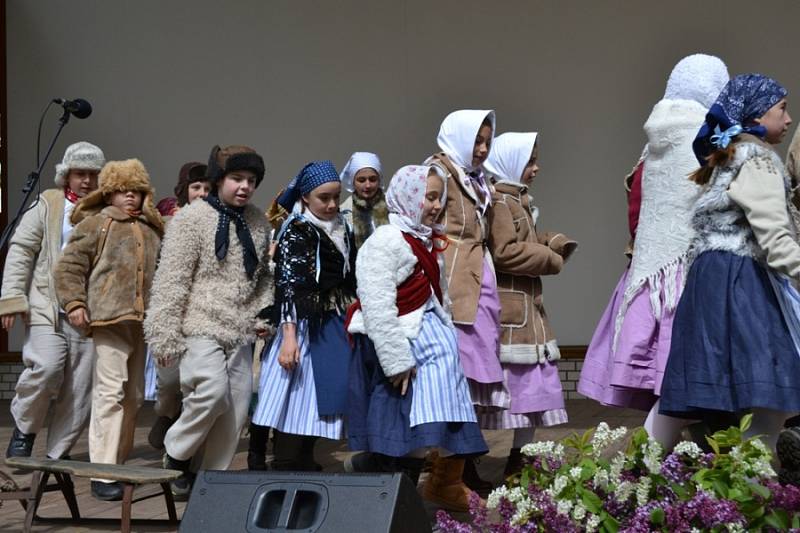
173, 515
38, 481
68, 490
127, 499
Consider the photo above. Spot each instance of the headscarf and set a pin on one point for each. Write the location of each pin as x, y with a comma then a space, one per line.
746, 97
405, 198
510, 155
310, 177
457, 134
358, 161
698, 77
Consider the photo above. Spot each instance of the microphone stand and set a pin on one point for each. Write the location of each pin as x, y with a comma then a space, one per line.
31, 184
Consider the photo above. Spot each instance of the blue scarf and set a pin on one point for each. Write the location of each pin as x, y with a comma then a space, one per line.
745, 98
221, 240
310, 177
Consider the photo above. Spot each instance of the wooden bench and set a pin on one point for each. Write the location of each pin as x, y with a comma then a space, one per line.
128, 476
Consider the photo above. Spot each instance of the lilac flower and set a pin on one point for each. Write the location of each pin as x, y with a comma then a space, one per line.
786, 497
448, 524
674, 470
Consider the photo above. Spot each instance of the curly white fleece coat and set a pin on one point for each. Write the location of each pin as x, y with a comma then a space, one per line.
195, 294
384, 261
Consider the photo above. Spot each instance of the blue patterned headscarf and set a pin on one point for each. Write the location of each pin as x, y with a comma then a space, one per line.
745, 98
310, 177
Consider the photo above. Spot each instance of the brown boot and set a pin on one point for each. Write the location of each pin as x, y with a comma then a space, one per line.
444, 486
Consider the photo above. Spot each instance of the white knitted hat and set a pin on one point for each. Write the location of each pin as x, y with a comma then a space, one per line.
80, 155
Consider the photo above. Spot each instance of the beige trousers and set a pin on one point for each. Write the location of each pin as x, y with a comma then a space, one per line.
118, 391
216, 389
56, 380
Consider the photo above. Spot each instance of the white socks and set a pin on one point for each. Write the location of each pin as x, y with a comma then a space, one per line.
665, 429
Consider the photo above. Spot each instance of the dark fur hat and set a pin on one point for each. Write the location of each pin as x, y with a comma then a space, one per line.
232, 158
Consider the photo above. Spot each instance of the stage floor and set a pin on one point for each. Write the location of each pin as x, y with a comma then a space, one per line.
582, 413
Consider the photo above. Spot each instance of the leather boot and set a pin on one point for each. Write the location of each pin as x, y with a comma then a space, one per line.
286, 451
444, 486
514, 463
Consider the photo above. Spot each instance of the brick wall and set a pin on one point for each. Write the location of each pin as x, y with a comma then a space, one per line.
9, 372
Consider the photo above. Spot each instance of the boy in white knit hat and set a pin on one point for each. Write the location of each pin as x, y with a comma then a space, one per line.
57, 357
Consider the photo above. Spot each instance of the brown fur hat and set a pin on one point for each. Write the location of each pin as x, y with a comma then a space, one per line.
232, 158
117, 176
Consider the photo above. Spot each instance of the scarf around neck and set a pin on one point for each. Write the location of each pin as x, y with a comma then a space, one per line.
221, 240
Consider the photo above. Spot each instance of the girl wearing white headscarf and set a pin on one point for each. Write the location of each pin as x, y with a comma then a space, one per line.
531, 390
365, 209
629, 372
407, 389
465, 138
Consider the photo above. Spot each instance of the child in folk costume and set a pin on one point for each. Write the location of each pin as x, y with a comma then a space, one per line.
528, 349
465, 138
103, 284
212, 280
365, 209
735, 336
630, 372
163, 384
407, 389
57, 357
304, 376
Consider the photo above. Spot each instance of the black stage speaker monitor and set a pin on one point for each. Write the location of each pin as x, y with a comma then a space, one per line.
301, 502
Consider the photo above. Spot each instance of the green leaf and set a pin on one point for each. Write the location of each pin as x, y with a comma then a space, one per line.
796, 521
657, 516
591, 501
525, 480
760, 490
720, 488
744, 423
713, 443
778, 519
610, 523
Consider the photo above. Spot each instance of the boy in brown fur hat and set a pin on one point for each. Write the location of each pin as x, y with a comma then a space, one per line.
103, 282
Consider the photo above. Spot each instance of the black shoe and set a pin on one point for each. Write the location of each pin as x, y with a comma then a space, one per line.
182, 486
364, 462
256, 461
159, 431
107, 492
788, 448
514, 463
21, 444
472, 480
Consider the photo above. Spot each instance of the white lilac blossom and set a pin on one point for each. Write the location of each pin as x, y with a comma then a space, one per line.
579, 511
564, 507
643, 491
559, 484
604, 436
616, 468
494, 498
761, 467
525, 508
688, 448
516, 495
545, 448
623, 491
592, 523
600, 479
575, 472
652, 451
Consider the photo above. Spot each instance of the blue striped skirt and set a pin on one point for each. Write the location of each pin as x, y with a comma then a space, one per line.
437, 409
287, 400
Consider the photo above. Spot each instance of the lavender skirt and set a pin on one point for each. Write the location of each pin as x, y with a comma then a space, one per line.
631, 376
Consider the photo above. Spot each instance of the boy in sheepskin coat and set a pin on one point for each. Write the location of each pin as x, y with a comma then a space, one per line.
213, 279
103, 280
57, 378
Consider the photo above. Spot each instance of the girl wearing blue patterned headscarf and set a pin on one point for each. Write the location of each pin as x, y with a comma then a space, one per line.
304, 376
736, 334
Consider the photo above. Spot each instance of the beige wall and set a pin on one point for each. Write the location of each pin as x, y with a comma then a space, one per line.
302, 80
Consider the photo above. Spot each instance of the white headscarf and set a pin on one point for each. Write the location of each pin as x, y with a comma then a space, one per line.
697, 77
457, 134
405, 199
358, 161
510, 155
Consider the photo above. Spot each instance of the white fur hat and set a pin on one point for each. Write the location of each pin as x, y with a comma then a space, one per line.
80, 155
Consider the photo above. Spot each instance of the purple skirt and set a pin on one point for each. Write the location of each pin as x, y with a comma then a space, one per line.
631, 376
479, 343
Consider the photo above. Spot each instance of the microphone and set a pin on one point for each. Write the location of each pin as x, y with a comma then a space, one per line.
79, 107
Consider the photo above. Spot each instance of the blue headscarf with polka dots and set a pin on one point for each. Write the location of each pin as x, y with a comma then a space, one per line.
310, 177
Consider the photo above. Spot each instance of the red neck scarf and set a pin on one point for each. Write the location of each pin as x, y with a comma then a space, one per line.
70, 195
417, 288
